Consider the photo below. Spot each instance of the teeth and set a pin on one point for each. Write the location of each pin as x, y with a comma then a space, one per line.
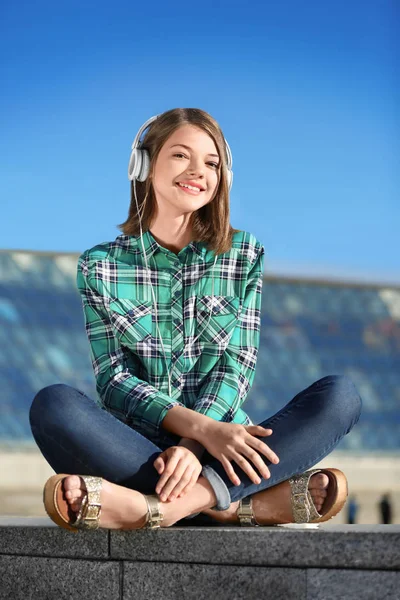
190, 187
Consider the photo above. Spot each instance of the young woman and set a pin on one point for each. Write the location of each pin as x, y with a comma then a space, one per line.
173, 313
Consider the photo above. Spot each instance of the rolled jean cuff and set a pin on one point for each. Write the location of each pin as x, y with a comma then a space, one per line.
219, 487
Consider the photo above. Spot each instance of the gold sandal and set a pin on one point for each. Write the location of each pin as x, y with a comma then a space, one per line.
303, 508
88, 516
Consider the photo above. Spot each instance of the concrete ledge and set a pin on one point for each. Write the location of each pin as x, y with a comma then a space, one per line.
339, 546
40, 560
345, 546
41, 537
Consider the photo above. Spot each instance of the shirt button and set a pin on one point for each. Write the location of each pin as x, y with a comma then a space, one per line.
176, 384
177, 322
177, 293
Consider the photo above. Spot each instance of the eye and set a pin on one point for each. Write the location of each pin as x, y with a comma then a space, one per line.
215, 165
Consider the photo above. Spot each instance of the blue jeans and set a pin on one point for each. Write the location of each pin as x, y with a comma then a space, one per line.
77, 436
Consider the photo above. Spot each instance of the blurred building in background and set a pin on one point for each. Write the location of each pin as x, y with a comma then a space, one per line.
310, 328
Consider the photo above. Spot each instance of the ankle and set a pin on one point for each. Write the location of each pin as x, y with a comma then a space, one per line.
224, 516
200, 498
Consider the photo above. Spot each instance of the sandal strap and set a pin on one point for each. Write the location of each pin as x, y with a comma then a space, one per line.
89, 514
245, 512
154, 512
303, 507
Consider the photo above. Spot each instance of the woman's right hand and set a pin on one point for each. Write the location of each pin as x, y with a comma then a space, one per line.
234, 442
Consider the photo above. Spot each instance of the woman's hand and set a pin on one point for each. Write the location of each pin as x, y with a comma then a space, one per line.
234, 442
180, 470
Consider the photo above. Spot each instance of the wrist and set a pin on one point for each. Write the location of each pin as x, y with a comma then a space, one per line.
192, 445
203, 429
186, 422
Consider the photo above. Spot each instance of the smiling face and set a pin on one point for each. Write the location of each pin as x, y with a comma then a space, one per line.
189, 155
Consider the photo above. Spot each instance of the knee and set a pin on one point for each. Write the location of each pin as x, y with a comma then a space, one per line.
49, 400
341, 398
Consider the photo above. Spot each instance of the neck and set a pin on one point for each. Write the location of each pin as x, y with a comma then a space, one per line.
173, 234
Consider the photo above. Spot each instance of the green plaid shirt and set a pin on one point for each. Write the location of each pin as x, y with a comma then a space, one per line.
212, 376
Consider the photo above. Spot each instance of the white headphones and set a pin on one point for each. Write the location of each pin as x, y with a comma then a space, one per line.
138, 169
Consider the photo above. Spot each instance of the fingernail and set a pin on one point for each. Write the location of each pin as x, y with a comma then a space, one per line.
163, 497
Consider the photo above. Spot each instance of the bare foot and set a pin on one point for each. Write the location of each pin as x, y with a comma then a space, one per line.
267, 505
121, 508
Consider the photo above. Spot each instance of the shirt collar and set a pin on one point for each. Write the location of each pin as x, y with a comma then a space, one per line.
151, 246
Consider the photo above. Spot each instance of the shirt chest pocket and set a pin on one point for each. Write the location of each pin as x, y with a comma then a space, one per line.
218, 326
132, 319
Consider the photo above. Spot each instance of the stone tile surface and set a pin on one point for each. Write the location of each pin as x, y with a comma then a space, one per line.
349, 546
30, 578
53, 542
153, 581
340, 584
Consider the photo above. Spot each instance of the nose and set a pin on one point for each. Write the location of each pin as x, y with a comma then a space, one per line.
196, 166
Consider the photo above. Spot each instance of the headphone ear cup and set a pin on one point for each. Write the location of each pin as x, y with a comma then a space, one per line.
139, 165
229, 177
145, 166
135, 163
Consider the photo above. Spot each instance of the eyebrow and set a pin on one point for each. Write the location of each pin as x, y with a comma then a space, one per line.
189, 148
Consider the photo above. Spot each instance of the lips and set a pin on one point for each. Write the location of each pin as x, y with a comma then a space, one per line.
193, 184
195, 192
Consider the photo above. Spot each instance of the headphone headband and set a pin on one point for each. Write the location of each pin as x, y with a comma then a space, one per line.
141, 130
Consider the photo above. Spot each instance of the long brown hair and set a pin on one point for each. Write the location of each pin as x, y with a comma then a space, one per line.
211, 223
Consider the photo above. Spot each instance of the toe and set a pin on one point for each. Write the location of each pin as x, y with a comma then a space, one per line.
75, 506
74, 495
72, 482
74, 490
318, 497
319, 481
324, 479
320, 494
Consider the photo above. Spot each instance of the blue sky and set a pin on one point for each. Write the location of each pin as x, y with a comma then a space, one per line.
306, 93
